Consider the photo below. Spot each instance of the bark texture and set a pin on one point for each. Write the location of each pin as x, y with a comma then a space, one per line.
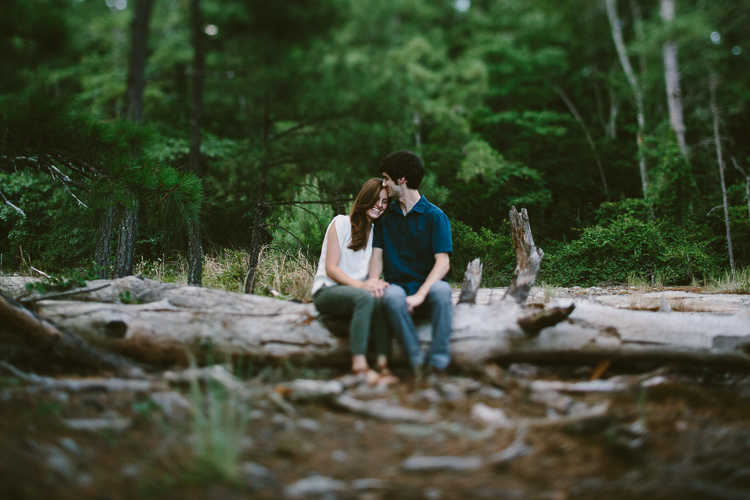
528, 257
27, 331
136, 83
672, 79
104, 235
713, 84
170, 320
635, 86
126, 242
195, 254
470, 287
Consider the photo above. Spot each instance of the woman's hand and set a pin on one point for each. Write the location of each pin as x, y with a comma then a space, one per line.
375, 286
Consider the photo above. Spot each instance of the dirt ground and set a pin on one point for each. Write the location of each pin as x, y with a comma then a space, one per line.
663, 432
687, 437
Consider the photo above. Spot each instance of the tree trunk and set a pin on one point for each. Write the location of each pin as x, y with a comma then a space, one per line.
136, 83
199, 68
615, 25
126, 242
195, 254
713, 83
104, 234
672, 79
255, 245
195, 243
528, 257
574, 111
747, 184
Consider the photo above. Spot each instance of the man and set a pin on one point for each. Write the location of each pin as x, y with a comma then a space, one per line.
412, 247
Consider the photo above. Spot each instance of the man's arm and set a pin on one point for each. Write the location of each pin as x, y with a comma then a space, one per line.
439, 270
376, 269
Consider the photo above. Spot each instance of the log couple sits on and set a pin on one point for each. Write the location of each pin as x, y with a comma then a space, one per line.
409, 244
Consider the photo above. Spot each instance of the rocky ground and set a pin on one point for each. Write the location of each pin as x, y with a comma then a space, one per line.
517, 431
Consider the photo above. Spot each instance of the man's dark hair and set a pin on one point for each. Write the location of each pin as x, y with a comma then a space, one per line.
403, 164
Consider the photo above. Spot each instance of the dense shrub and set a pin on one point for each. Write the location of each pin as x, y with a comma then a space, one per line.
495, 250
626, 246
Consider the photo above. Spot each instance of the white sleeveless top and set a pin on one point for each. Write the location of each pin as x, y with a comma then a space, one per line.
356, 264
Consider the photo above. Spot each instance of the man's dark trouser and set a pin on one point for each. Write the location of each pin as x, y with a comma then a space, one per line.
440, 307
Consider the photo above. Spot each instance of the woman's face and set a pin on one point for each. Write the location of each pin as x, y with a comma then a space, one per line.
379, 207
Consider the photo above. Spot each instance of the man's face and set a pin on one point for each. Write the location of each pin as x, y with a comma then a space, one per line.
379, 207
393, 188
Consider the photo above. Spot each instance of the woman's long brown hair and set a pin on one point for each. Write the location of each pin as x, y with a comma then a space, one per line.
366, 199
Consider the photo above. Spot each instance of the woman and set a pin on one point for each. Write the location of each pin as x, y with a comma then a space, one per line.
341, 286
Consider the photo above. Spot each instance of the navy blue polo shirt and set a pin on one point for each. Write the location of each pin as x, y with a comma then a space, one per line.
410, 243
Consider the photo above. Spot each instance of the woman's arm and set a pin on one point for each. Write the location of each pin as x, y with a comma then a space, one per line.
333, 256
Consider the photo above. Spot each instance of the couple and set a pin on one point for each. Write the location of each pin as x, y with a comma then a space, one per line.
411, 246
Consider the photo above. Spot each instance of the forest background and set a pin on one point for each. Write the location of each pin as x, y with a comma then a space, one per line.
205, 140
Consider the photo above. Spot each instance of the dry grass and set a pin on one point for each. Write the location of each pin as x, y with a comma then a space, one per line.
739, 283
290, 275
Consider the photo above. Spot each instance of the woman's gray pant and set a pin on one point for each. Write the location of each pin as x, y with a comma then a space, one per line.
440, 308
368, 317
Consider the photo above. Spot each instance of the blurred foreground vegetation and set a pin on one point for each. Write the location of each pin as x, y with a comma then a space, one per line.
320, 91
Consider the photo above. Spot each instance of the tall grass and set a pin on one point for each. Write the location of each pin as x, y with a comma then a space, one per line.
739, 283
219, 422
287, 273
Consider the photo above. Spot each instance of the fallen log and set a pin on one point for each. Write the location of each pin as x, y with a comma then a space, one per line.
159, 322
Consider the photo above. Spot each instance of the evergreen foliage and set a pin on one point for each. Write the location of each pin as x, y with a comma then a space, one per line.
314, 94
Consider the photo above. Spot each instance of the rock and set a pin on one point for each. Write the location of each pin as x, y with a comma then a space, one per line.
314, 485
517, 448
256, 414
130, 471
419, 463
339, 456
493, 417
491, 393
307, 390
430, 395
308, 424
257, 477
293, 446
381, 411
58, 461
523, 370
414, 430
68, 444
452, 392
630, 438
174, 405
654, 381
282, 422
246, 444
432, 493
369, 484
97, 424
588, 386
553, 399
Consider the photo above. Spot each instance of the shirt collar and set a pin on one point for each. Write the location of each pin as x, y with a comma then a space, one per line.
418, 207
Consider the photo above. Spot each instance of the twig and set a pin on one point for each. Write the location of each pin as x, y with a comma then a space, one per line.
11, 205
55, 295
40, 272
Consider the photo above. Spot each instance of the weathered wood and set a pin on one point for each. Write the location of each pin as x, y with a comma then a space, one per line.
536, 322
172, 320
470, 286
56, 342
528, 257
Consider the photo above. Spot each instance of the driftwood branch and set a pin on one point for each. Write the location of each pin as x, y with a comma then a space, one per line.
528, 257
470, 286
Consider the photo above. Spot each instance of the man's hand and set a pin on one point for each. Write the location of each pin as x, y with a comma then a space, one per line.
375, 286
413, 301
